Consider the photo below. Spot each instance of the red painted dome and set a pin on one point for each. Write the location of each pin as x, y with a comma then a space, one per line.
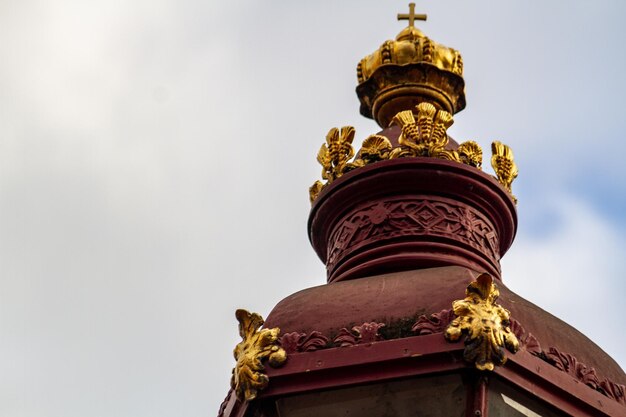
399, 299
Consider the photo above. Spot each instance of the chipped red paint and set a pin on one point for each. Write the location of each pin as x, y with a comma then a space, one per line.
368, 332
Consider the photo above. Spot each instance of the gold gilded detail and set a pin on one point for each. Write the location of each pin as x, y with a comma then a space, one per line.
336, 152
257, 345
315, 189
423, 134
411, 46
471, 154
334, 157
503, 164
484, 323
375, 148
409, 69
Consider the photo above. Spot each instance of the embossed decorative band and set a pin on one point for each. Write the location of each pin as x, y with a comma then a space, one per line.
430, 217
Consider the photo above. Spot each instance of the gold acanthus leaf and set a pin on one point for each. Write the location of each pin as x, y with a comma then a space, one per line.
503, 164
256, 346
484, 323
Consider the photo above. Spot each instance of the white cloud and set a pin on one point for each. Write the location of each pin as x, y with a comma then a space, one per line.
574, 271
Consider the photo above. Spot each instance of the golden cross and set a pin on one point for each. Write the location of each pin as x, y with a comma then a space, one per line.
411, 17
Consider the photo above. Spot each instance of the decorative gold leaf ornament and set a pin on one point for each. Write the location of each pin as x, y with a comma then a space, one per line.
257, 345
334, 157
336, 152
503, 164
423, 134
409, 138
484, 323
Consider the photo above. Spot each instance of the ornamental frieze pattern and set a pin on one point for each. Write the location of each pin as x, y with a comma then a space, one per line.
432, 218
585, 374
260, 344
301, 342
437, 323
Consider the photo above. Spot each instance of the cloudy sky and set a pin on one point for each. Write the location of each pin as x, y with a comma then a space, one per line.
155, 158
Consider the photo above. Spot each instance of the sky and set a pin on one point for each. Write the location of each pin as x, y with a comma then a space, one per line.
155, 159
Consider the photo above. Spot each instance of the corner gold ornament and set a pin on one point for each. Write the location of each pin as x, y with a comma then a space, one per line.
336, 152
504, 165
485, 325
333, 156
257, 345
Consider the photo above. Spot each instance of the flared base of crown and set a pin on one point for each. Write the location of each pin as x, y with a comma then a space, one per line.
394, 88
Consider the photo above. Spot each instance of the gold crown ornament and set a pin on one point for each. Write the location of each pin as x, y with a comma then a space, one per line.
407, 71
